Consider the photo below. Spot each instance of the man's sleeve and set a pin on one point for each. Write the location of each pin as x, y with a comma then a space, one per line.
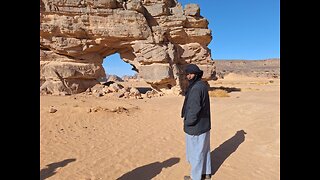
194, 106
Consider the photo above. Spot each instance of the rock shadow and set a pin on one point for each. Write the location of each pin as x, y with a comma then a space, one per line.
228, 89
143, 90
50, 170
221, 153
149, 171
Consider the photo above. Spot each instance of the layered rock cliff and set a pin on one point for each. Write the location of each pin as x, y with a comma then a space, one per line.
157, 37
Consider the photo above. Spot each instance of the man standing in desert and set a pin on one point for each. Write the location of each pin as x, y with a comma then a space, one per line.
197, 124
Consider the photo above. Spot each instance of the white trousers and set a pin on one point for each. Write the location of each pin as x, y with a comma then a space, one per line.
198, 154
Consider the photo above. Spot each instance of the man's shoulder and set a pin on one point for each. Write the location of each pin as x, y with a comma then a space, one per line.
199, 85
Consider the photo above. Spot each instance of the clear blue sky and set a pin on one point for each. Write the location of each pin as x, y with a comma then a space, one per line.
241, 29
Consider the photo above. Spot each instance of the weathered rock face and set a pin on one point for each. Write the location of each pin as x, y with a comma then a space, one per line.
157, 37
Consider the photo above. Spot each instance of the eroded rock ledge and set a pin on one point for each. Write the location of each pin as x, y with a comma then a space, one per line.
157, 37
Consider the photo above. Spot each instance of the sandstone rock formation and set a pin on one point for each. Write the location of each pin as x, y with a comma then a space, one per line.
157, 37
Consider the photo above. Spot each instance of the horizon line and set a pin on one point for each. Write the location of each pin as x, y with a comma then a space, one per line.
249, 59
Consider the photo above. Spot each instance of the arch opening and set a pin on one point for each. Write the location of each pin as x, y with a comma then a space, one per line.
115, 66
120, 71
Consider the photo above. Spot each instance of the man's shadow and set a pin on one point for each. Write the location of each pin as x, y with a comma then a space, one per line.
51, 168
149, 171
221, 153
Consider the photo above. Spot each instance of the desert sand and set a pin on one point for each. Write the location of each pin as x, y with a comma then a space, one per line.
109, 138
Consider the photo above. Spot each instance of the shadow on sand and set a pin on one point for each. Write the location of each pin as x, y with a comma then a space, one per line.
143, 90
221, 153
149, 171
228, 89
51, 168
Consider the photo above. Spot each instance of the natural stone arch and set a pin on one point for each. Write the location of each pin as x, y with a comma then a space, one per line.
157, 37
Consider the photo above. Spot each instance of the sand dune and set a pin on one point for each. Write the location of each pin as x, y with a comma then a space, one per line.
92, 138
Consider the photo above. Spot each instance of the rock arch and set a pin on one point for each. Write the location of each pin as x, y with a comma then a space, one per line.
157, 37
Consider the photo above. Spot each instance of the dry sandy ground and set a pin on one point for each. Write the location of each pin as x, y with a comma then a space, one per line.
145, 140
